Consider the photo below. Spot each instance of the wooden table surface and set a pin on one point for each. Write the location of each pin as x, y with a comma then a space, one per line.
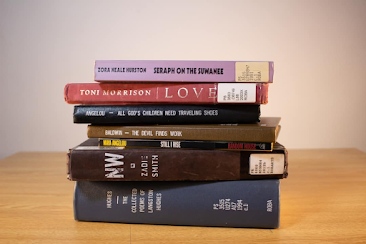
322, 201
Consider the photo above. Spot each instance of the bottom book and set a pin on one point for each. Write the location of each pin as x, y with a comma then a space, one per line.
245, 203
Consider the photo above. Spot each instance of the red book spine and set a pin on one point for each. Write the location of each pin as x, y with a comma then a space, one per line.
197, 93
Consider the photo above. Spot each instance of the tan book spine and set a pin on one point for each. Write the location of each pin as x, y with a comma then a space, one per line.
193, 132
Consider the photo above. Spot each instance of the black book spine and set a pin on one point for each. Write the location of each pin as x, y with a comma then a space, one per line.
176, 144
167, 114
252, 203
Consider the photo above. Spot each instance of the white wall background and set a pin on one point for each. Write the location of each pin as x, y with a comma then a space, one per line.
319, 50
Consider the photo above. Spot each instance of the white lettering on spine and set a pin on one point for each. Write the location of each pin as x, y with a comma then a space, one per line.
161, 133
158, 201
134, 200
138, 204
113, 132
176, 133
212, 92
269, 206
231, 205
150, 201
195, 91
155, 166
95, 113
109, 199
112, 166
186, 92
144, 166
142, 202
166, 93
118, 92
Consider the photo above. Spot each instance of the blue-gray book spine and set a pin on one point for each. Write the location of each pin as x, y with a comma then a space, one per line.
246, 203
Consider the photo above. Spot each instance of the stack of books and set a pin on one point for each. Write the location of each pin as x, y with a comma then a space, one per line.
178, 143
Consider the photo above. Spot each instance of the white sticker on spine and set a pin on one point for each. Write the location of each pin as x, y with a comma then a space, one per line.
266, 164
236, 93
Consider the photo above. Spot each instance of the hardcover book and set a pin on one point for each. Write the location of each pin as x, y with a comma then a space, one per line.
183, 71
266, 130
169, 144
167, 114
88, 162
245, 203
182, 93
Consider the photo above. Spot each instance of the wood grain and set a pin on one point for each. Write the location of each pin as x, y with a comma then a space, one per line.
322, 201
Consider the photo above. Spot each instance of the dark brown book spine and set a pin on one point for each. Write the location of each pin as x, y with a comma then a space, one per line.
113, 164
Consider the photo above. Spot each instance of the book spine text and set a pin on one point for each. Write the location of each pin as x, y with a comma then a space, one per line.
170, 132
183, 71
170, 93
169, 144
167, 114
95, 163
226, 203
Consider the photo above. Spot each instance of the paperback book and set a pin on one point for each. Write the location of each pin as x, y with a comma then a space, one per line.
177, 144
183, 71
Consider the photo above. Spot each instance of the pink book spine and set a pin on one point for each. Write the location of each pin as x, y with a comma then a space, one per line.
174, 93
183, 71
